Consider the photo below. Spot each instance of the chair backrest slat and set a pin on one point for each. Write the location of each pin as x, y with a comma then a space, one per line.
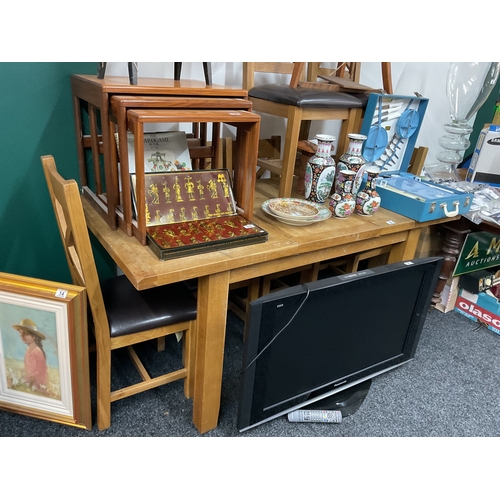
68, 209
296, 70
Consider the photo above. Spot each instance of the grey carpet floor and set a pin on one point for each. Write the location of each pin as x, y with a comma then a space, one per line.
450, 389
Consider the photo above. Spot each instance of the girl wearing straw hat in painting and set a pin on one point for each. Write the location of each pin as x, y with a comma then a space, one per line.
35, 371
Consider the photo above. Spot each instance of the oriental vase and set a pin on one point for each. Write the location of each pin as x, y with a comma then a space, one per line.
320, 170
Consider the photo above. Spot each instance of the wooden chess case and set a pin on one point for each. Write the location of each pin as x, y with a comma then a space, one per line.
192, 212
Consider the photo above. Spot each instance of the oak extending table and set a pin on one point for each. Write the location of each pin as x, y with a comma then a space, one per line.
288, 247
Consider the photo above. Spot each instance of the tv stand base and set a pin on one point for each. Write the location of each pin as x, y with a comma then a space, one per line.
347, 401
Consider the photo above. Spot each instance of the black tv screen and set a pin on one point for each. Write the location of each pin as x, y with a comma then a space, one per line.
310, 341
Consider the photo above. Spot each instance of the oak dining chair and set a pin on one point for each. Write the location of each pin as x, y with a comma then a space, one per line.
121, 316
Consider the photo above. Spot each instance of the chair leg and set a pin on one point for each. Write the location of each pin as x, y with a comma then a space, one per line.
217, 146
290, 151
160, 344
103, 388
350, 126
387, 77
189, 339
310, 274
177, 70
207, 69
132, 73
101, 70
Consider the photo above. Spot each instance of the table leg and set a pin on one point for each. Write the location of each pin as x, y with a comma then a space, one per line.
110, 177
453, 242
121, 119
247, 145
138, 132
79, 139
213, 293
406, 249
94, 144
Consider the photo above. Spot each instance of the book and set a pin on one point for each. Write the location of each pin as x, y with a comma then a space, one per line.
163, 152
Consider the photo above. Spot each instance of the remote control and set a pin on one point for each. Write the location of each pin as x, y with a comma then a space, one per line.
325, 416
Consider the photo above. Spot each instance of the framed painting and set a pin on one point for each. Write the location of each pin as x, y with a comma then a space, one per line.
44, 369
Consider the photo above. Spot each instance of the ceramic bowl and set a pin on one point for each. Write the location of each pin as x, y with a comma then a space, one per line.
324, 214
293, 208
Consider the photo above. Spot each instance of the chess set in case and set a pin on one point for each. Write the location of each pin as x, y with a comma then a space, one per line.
192, 212
392, 124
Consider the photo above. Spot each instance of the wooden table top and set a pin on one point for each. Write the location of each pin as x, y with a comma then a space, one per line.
146, 85
192, 115
145, 270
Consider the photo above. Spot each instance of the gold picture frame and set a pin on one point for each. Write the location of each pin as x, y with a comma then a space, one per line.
44, 368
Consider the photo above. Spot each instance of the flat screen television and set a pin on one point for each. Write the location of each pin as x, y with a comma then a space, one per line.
311, 341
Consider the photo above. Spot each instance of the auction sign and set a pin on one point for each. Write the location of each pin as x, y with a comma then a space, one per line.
481, 250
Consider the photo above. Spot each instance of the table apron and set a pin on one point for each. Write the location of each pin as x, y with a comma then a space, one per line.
401, 242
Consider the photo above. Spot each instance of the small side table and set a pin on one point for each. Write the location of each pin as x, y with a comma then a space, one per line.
120, 104
247, 126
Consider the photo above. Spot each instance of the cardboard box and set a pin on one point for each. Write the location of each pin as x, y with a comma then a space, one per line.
485, 163
496, 116
482, 308
449, 295
477, 281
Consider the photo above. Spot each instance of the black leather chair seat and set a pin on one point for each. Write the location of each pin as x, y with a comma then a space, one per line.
307, 98
130, 310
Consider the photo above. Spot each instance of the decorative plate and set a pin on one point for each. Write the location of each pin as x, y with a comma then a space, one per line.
324, 214
293, 208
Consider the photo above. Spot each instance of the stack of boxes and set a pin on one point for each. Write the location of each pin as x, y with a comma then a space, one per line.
485, 163
474, 288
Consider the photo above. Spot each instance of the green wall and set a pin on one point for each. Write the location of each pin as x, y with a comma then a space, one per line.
36, 119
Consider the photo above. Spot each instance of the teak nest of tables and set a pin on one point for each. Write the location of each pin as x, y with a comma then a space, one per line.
155, 100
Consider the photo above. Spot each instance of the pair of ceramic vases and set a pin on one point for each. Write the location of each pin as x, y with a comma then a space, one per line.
341, 183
